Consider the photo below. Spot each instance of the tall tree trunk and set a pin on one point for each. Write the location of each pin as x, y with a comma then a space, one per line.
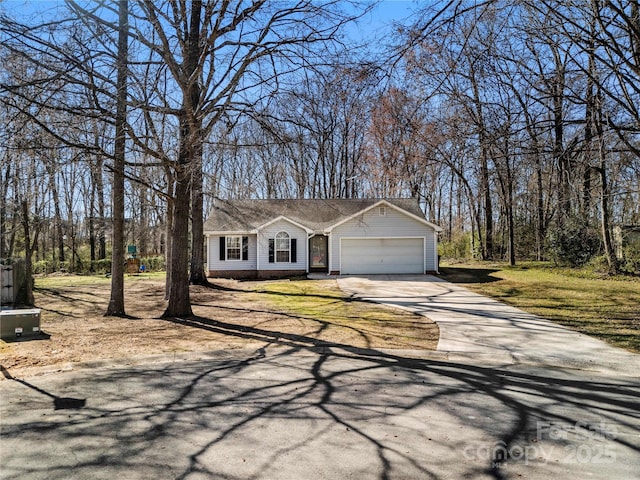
92, 221
589, 121
141, 240
505, 180
561, 157
102, 240
168, 230
485, 186
540, 216
605, 221
190, 148
57, 216
450, 209
116, 302
488, 207
198, 276
28, 254
179, 303
4, 183
510, 221
98, 201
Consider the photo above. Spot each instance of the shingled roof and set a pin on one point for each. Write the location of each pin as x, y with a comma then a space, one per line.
315, 214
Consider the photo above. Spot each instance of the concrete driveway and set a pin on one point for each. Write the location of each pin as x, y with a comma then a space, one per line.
473, 326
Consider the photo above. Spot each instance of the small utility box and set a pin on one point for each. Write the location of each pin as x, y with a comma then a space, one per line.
18, 323
133, 266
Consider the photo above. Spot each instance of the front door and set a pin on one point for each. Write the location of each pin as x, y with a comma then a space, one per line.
318, 258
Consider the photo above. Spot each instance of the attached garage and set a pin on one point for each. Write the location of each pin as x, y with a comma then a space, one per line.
382, 255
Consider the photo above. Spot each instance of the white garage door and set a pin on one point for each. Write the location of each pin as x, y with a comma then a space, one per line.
381, 255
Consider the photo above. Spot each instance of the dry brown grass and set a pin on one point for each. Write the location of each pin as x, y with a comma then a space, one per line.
233, 316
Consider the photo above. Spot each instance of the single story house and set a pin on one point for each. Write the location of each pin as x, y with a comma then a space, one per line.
275, 238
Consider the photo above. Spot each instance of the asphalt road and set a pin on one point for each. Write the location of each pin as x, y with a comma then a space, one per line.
295, 412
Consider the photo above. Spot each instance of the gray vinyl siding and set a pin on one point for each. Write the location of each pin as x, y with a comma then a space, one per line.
294, 231
392, 225
214, 263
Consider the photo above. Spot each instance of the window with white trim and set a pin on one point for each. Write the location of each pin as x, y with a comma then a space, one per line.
283, 248
234, 247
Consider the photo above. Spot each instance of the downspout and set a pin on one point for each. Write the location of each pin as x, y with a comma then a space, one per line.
206, 273
330, 263
258, 253
435, 252
309, 235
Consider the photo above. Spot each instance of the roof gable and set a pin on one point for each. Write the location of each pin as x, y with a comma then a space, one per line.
282, 217
390, 205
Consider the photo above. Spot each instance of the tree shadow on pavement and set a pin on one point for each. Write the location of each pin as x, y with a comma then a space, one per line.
297, 407
59, 403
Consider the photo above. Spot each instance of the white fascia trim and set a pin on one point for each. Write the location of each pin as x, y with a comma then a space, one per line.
282, 217
229, 232
390, 205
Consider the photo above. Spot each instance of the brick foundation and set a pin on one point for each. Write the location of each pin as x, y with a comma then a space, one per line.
255, 274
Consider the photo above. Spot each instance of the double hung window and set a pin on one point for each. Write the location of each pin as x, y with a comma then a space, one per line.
234, 248
283, 247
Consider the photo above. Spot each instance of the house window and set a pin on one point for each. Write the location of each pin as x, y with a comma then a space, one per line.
234, 248
382, 211
283, 247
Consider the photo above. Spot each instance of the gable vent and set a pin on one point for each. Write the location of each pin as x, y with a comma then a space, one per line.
382, 211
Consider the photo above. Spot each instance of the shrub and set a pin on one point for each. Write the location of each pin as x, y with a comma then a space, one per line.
459, 247
599, 265
573, 244
101, 266
42, 267
631, 259
153, 264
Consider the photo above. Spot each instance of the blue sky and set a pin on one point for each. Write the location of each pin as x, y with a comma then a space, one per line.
382, 15
374, 29
390, 10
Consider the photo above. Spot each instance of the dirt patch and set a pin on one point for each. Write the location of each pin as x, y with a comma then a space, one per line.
232, 316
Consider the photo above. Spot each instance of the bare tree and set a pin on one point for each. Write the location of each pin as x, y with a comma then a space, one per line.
116, 307
221, 57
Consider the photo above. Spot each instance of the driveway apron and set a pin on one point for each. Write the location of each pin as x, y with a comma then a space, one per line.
475, 325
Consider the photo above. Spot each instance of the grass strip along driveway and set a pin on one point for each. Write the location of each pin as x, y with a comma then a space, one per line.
605, 307
333, 317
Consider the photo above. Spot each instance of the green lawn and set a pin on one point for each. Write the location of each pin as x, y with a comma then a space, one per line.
604, 307
64, 280
338, 317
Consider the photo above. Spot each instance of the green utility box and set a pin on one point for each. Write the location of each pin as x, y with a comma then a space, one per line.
19, 323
